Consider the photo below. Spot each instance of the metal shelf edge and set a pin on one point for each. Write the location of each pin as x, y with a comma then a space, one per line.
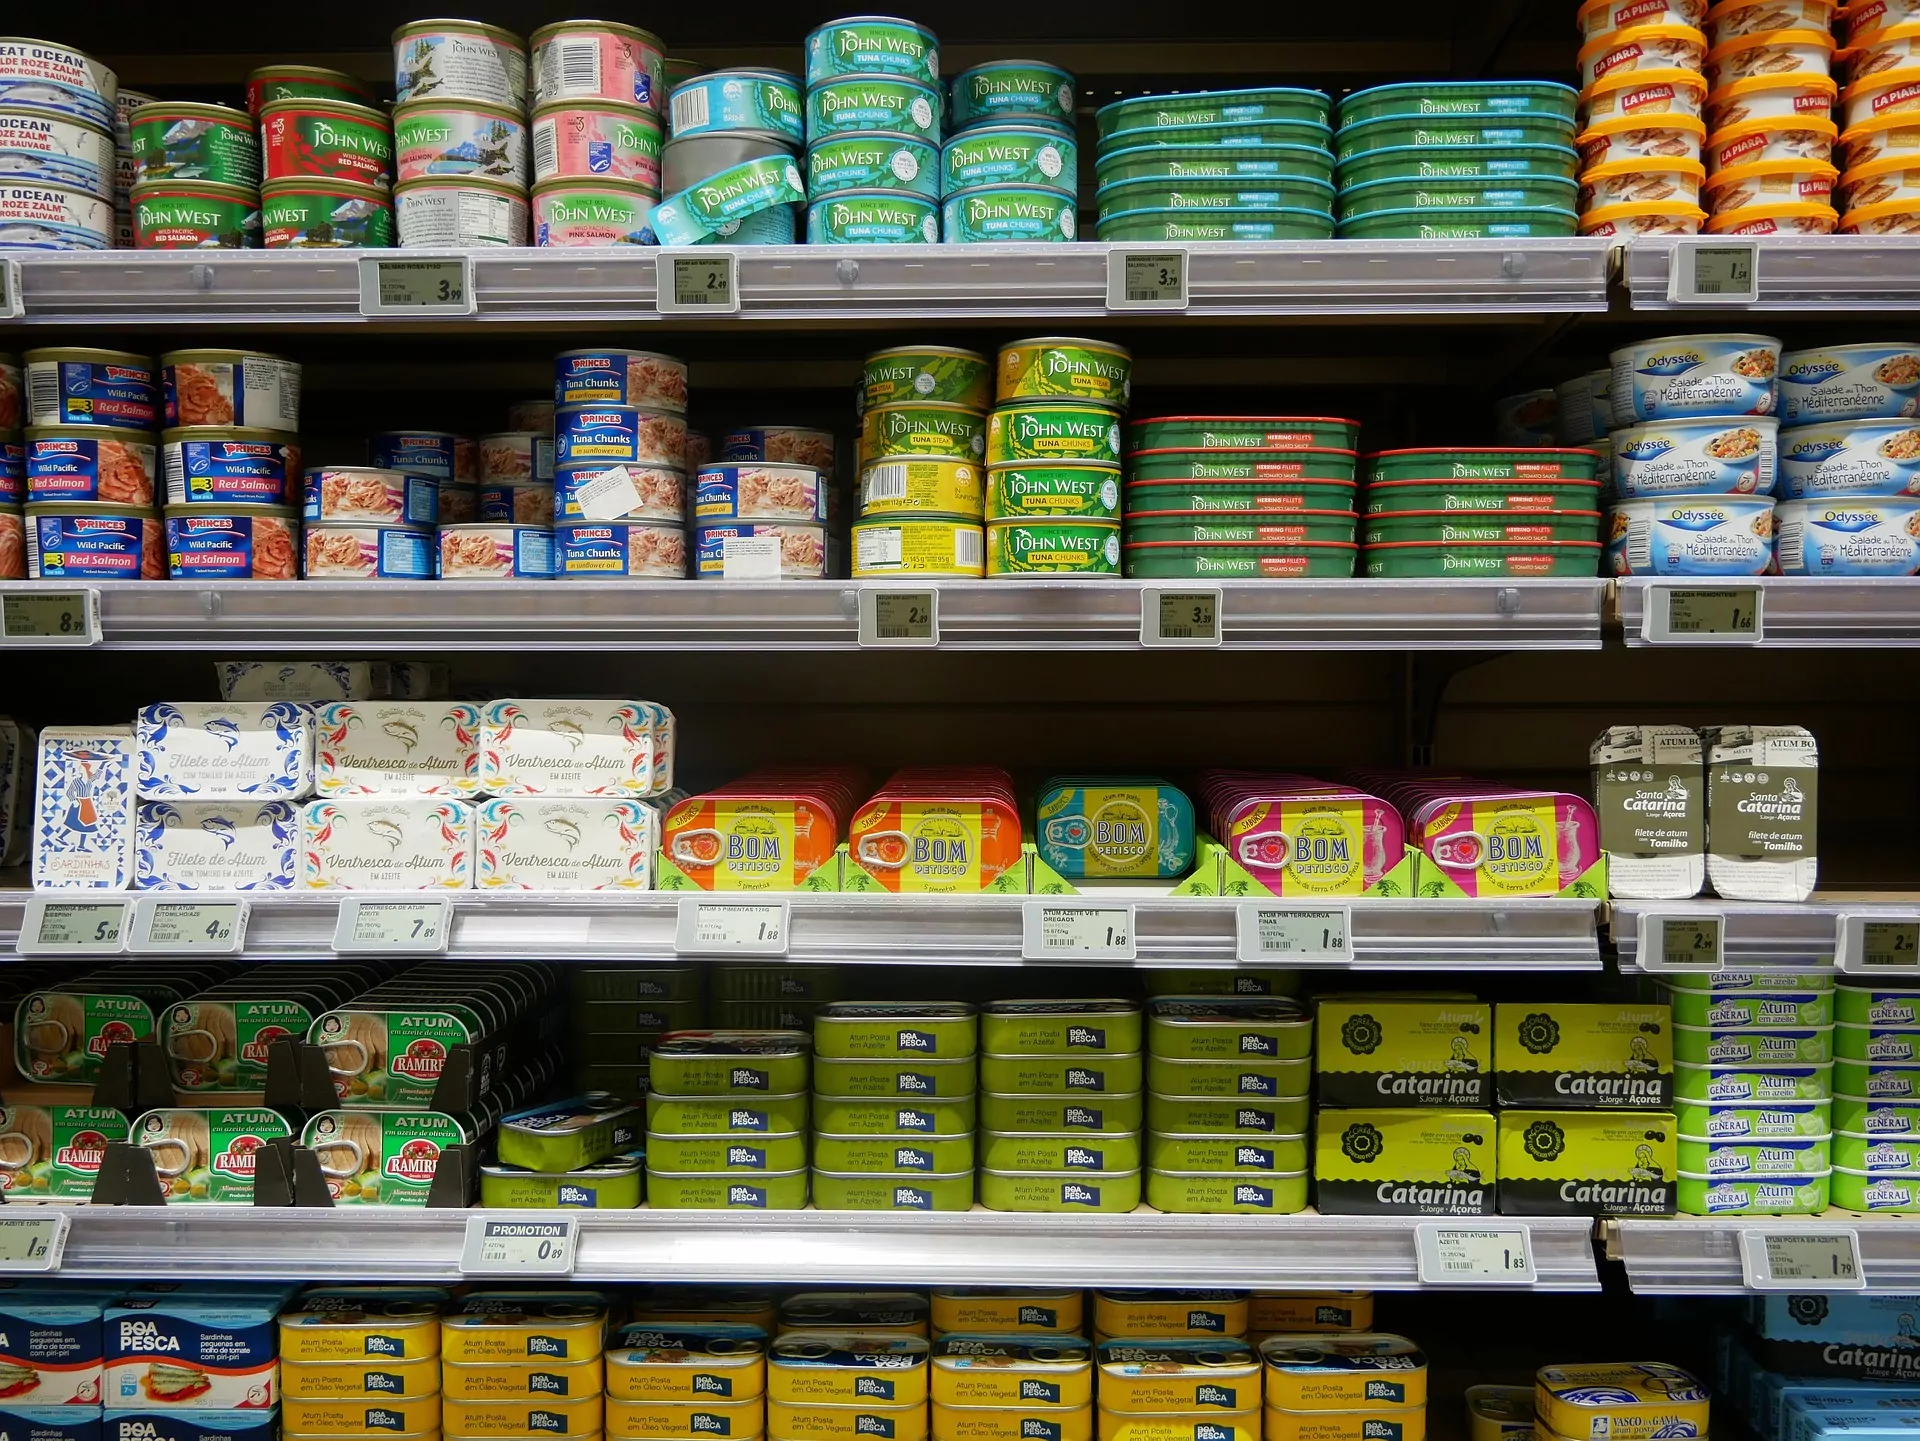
1700, 1255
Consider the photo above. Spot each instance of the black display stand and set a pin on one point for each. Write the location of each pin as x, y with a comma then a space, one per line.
127, 1177
133, 1079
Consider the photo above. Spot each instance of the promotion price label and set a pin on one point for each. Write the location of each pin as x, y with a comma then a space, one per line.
1793, 1260
1057, 931
12, 304
727, 928
207, 928
1714, 272
1475, 1255
1695, 942
1875, 943
1288, 935
1188, 616
417, 286
1695, 615
899, 617
701, 281
1147, 279
50, 927
520, 1246
50, 617
393, 928
33, 1243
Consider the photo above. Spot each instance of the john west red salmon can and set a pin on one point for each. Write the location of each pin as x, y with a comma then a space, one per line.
331, 139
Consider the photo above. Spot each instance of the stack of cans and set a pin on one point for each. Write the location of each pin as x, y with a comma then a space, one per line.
618, 498
327, 154
57, 124
197, 177
1643, 93
736, 136
598, 92
921, 514
460, 135
1010, 168
92, 463
874, 117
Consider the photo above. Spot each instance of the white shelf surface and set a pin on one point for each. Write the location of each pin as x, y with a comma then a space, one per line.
1758, 934
1388, 935
329, 617
1143, 1248
904, 283
1826, 273
1804, 611
1700, 1255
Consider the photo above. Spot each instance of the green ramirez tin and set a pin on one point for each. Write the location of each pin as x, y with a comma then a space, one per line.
1170, 225
1084, 1111
1170, 1152
1227, 1028
1183, 433
725, 1115
1239, 1116
1090, 1151
611, 1185
1199, 528
759, 1153
993, 214
839, 1116
1108, 1073
1053, 1192
1238, 560
1437, 558
1058, 1028
731, 1063
1702, 1047
1173, 113
1064, 491
833, 1191
177, 141
1452, 528
876, 1079
1039, 430
873, 162
1461, 162
873, 103
1479, 223
926, 372
1054, 366
893, 1154
1008, 155
1053, 547
1020, 92
1241, 1078
1214, 162
863, 1030
1254, 1193
670, 1191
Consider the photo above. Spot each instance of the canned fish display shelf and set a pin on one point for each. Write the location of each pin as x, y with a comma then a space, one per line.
1823, 273
1794, 610
1762, 935
1716, 1256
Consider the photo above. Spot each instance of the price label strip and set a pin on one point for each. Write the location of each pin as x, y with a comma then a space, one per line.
50, 617
1474, 1255
12, 303
899, 617
729, 928
1147, 279
1701, 615
52, 927
700, 281
1292, 936
419, 286
1714, 272
393, 928
1061, 931
206, 928
1789, 1259
33, 1243
1189, 616
1876, 943
1693, 942
520, 1246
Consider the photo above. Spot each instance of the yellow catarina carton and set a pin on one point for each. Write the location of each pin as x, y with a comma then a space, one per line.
1343, 1373
999, 1312
1170, 1313
1499, 1413
1620, 1401
1407, 1423
817, 1421
1165, 1377
686, 1361
492, 1326
513, 1419
856, 1311
1403, 1051
347, 1418
666, 1420
369, 1379
353, 1323
1016, 1371
1180, 1426
1395, 1162
847, 1368
1012, 1423
515, 1380
1583, 1057
1292, 1312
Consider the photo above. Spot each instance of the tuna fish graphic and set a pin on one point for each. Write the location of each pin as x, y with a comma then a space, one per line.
36, 236
221, 829
388, 832
419, 79
565, 829
569, 732
404, 733
223, 730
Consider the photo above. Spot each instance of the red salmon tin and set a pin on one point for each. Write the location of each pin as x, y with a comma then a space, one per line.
330, 139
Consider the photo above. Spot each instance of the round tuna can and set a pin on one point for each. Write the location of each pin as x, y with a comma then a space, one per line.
332, 550
592, 212
173, 140
659, 492
1239, 560
619, 433
459, 139
759, 551
233, 542
531, 415
611, 550
1691, 535
1017, 155
432, 453
903, 485
760, 490
922, 428
603, 376
789, 443
312, 214
194, 215
1698, 456
459, 212
927, 372
892, 164
1850, 382
749, 203
686, 161
867, 103
39, 147
1059, 490
598, 60
749, 102
228, 465
46, 217
459, 60
991, 214
70, 540
1055, 366
362, 493
1041, 430
53, 77
230, 387
1053, 547
597, 140
272, 83
458, 501
872, 45
1018, 92
919, 547
70, 386
873, 218
90, 463
1850, 458
507, 503
496, 552
13, 545
1282, 224
1853, 536
699, 448
514, 457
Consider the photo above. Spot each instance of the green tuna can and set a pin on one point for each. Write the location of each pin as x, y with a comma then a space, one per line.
1875, 1153
762, 1015
1769, 980
1012, 92
1201, 528
1006, 214
1058, 1028
873, 217
1219, 465
1479, 223
839, 1116
1094, 1152
1053, 547
1473, 470
1751, 1085
194, 215
1527, 192
1785, 1121
1248, 1193
1195, 225
1736, 1010
1444, 132
1426, 100
1463, 162
893, 1155
1752, 1195
1055, 365
1061, 491
1797, 1156
1890, 1194
741, 1063
732, 1152
1214, 162
324, 215
173, 140
636, 983
913, 373
865, 162
1435, 558
610, 1185
1242, 433
872, 45
869, 1030
1080, 1113
1876, 1118
1008, 155
774, 983
1451, 528
1121, 197
731, 1115
1051, 1191
872, 1080
836, 1192
1167, 1151
1238, 1079
1224, 1029
1239, 560
1514, 497
1052, 430
1702, 1046
1108, 1073
885, 104
1159, 113
728, 1191
1237, 136
1251, 495
1239, 1116
1877, 1006
1886, 1045
1876, 1080
924, 428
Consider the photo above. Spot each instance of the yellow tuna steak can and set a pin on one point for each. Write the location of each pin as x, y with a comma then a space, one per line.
922, 485
667, 1420
928, 547
367, 1379
514, 1419
1391, 1424
856, 1311
1012, 1371
992, 1312
1012, 1423
1620, 1401
1151, 1377
816, 1421
518, 1380
687, 1361
1343, 1373
495, 1326
847, 1368
1206, 1426
373, 1417
1161, 1314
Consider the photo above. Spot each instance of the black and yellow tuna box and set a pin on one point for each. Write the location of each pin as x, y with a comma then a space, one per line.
1587, 1163
1584, 1057
1403, 1051
1404, 1163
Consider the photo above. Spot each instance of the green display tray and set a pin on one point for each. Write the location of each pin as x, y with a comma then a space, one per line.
1469, 498
1535, 192
1249, 496
1121, 197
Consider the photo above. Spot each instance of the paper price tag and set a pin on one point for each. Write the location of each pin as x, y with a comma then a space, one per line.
1699, 615
1292, 936
899, 617
12, 303
1475, 1255
208, 928
750, 557
520, 1246
1061, 931
1188, 616
50, 617
418, 286
50, 927
1876, 943
1147, 279
1695, 942
725, 928
700, 281
609, 495
1714, 272
393, 928
33, 1243
1787, 1259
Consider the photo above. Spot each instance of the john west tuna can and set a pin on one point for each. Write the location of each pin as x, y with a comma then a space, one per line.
459, 60
458, 212
873, 217
749, 102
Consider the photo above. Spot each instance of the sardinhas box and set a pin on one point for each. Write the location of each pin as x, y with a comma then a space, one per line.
215, 1354
51, 1349
1403, 1051
1586, 1163
1584, 1057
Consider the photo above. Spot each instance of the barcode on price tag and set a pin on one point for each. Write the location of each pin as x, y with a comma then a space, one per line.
700, 281
208, 928
1789, 1259
32, 1243
1147, 279
899, 617
1876, 943
395, 928
1076, 931
722, 928
50, 927
1475, 1255
1295, 936
1703, 615
12, 305
520, 1246
419, 285
1695, 941
50, 617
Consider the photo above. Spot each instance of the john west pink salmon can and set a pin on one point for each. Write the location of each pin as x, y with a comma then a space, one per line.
597, 140
598, 60
591, 212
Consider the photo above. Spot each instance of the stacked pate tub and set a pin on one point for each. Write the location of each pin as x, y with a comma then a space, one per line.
1010, 168
1770, 145
57, 114
460, 132
1695, 455
92, 466
1059, 414
599, 90
922, 514
13, 471
231, 464
1218, 165
327, 156
619, 508
731, 171
1642, 98
1879, 150
197, 183
875, 113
